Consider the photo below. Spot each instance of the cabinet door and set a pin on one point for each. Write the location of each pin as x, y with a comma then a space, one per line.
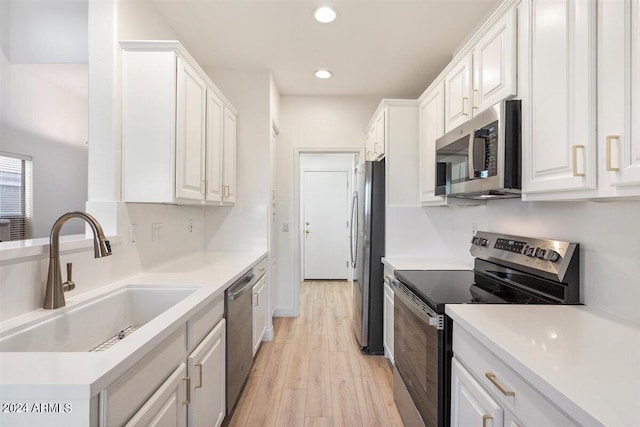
381, 135
369, 145
229, 158
619, 97
259, 312
559, 151
388, 321
167, 406
494, 64
214, 132
471, 405
206, 366
190, 133
431, 128
457, 92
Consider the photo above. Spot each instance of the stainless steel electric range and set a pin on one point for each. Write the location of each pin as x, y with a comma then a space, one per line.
507, 270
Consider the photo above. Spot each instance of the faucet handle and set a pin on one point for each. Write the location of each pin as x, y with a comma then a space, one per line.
69, 285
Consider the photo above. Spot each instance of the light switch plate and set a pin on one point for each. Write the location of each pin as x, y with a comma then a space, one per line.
156, 231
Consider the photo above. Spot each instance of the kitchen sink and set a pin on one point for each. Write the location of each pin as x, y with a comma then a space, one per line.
95, 324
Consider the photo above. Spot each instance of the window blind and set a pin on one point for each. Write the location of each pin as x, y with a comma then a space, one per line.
16, 196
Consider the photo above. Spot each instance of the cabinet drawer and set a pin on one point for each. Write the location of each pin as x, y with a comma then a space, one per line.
260, 268
126, 395
205, 320
526, 403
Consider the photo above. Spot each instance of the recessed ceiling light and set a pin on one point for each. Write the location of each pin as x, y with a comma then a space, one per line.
323, 74
324, 14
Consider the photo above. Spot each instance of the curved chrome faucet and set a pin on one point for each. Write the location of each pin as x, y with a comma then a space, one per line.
54, 296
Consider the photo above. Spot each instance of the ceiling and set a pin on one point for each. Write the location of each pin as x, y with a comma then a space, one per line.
391, 48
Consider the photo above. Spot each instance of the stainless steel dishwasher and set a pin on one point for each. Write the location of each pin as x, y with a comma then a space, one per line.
238, 310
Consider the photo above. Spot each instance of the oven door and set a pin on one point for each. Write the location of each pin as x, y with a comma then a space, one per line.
419, 351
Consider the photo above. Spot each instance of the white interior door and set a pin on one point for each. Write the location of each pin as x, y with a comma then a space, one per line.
325, 224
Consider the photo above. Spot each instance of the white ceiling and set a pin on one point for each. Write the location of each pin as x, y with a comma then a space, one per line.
375, 47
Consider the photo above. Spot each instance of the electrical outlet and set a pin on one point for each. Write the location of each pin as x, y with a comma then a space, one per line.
156, 231
190, 226
474, 228
132, 233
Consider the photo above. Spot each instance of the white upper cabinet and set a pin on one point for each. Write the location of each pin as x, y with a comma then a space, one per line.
494, 64
229, 158
431, 127
190, 133
457, 89
559, 121
176, 126
619, 98
376, 135
215, 114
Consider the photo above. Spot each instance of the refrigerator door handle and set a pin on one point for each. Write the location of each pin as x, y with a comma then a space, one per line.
354, 230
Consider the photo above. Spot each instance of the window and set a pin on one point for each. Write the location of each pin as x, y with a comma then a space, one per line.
16, 197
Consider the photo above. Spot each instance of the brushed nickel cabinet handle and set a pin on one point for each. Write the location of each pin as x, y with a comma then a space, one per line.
474, 102
188, 399
199, 366
492, 377
464, 102
610, 157
578, 171
486, 418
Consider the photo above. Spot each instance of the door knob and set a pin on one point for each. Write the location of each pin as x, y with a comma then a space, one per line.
307, 231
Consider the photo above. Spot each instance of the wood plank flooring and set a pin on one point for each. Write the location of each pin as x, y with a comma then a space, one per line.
312, 374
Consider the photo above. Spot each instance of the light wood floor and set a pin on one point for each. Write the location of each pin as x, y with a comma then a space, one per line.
312, 373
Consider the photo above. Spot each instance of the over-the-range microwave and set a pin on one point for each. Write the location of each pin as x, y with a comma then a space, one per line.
481, 159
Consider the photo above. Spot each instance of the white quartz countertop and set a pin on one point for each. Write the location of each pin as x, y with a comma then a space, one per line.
584, 361
211, 272
424, 264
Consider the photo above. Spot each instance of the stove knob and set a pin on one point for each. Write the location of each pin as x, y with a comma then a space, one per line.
528, 250
552, 255
540, 253
484, 242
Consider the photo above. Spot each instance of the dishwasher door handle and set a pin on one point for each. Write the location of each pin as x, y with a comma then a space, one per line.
234, 294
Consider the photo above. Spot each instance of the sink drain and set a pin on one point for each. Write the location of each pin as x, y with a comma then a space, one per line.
114, 339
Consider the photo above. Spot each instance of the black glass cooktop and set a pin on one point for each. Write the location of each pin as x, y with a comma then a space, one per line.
440, 287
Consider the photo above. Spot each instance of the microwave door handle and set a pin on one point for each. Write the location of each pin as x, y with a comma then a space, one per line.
472, 173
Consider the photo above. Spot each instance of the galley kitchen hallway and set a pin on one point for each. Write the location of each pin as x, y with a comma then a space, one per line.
312, 373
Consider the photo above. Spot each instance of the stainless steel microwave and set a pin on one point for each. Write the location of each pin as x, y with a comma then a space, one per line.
482, 158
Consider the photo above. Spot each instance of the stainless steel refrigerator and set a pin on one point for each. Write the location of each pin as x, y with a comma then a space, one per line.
367, 249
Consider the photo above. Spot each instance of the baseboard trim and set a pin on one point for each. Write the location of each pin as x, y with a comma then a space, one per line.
285, 312
268, 335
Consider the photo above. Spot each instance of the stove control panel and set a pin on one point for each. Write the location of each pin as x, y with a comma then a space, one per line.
551, 256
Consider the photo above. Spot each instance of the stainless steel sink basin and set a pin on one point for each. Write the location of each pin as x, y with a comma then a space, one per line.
95, 324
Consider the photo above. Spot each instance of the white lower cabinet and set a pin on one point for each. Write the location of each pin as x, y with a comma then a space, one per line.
206, 368
481, 383
154, 392
167, 406
471, 405
259, 312
388, 322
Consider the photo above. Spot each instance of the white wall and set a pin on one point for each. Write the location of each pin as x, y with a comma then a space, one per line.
309, 122
244, 226
46, 32
608, 234
23, 280
44, 119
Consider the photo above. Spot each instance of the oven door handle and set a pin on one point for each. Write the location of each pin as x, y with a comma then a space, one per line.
422, 311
